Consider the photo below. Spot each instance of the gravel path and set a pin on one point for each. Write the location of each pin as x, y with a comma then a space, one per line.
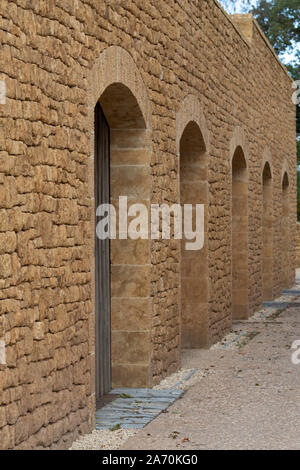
113, 440
240, 394
103, 440
248, 400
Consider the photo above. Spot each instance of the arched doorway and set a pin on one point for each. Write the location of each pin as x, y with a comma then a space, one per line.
285, 234
239, 235
194, 269
122, 287
267, 233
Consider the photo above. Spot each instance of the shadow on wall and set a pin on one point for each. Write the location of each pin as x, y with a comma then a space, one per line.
239, 236
194, 269
298, 245
267, 227
285, 233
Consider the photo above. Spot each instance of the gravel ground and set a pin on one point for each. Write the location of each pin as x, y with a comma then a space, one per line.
182, 379
242, 393
250, 398
103, 440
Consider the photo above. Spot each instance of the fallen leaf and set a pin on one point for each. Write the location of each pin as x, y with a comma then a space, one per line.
115, 427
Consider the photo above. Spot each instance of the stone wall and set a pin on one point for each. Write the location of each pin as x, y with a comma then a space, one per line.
58, 57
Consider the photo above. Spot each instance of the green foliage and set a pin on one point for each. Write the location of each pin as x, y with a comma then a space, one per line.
279, 20
294, 70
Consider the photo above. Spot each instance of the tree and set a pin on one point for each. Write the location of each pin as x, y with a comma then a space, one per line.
280, 21
295, 73
298, 194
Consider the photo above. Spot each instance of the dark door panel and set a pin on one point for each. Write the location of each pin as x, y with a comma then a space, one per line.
102, 258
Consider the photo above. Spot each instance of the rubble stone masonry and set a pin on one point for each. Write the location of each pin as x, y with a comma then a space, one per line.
199, 108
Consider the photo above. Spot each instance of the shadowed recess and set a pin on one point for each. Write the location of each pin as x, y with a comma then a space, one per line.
194, 270
239, 235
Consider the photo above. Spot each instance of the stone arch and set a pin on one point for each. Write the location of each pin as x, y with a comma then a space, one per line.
115, 65
190, 110
267, 172
285, 179
239, 156
284, 170
116, 89
267, 158
267, 228
192, 138
239, 140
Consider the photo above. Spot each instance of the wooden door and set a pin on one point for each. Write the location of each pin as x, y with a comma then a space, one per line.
102, 258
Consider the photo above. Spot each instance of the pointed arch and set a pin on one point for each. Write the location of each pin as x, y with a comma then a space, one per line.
190, 110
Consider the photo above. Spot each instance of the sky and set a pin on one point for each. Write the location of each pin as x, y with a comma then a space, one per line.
235, 7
